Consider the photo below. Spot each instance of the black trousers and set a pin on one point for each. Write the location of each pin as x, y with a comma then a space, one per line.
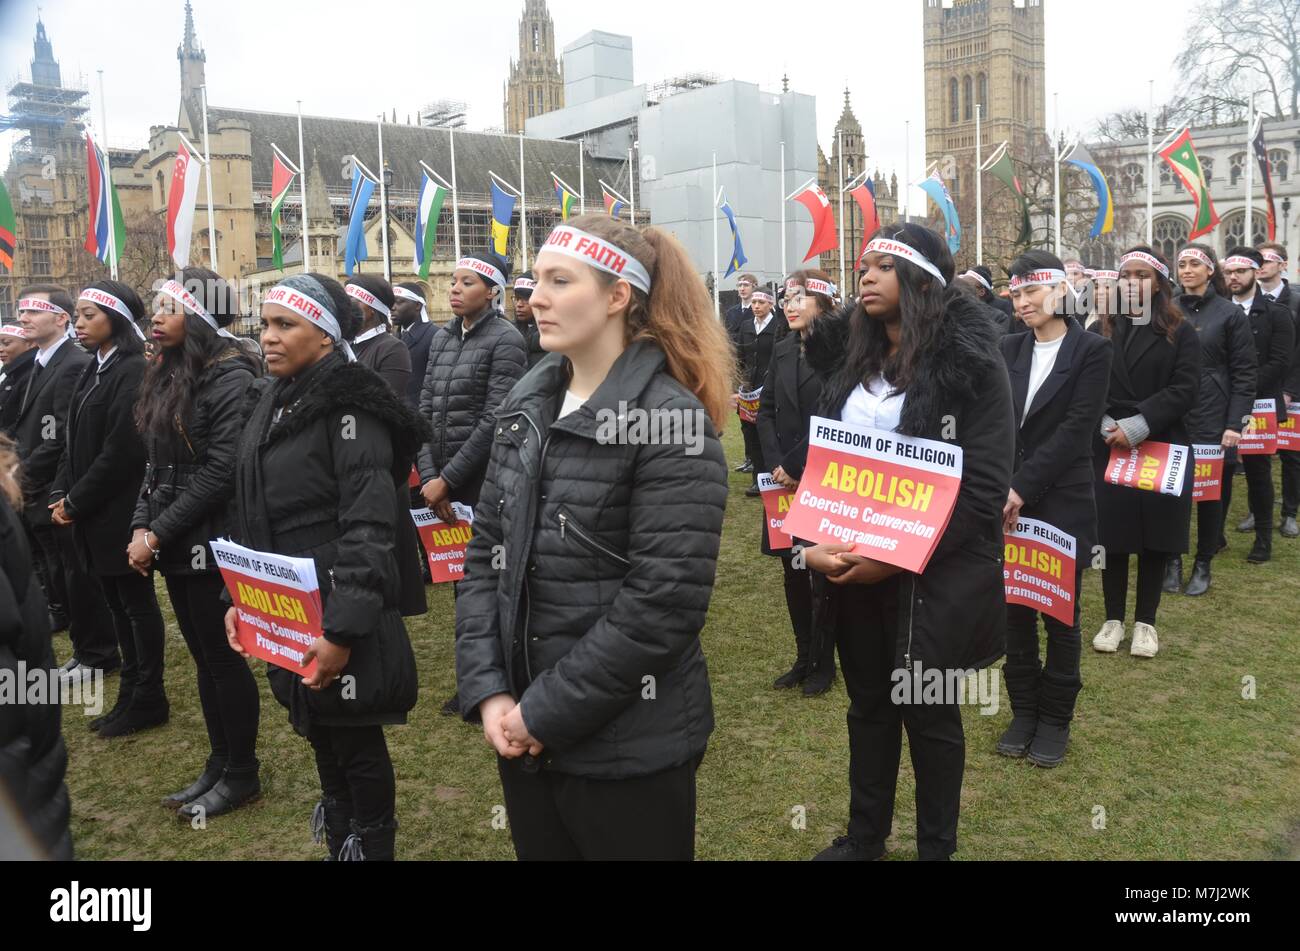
1150, 578
1048, 690
90, 625
227, 689
1259, 488
140, 636
753, 447
355, 769
1290, 460
867, 643
798, 601
1209, 529
559, 817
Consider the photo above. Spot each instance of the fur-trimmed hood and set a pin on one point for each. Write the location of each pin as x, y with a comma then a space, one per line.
968, 347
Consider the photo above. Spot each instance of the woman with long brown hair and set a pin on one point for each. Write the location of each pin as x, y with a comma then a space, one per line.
580, 650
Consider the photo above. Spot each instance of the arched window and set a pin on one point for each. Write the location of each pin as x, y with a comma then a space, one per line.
1207, 169
1236, 168
1169, 233
968, 107
1168, 177
1279, 162
954, 107
1234, 229
537, 39
982, 94
1132, 177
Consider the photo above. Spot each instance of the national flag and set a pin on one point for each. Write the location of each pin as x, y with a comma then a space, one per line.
103, 202
614, 205
503, 210
1265, 170
8, 225
282, 176
1004, 171
865, 196
938, 192
738, 258
825, 237
1182, 158
432, 195
354, 248
1104, 223
568, 200
180, 204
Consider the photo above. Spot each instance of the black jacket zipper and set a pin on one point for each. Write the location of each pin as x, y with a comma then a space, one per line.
568, 524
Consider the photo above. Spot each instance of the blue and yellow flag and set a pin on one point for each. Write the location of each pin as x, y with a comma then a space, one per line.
1079, 157
503, 209
738, 258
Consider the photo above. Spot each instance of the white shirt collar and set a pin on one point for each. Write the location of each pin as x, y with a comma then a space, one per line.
43, 356
103, 357
1246, 304
374, 331
761, 324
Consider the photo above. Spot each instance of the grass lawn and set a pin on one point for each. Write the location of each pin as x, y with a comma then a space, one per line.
1181, 764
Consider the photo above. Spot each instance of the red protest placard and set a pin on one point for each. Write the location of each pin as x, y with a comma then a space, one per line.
1288, 436
1150, 466
1259, 437
747, 405
887, 495
1038, 569
1207, 473
278, 603
445, 544
413, 480
776, 503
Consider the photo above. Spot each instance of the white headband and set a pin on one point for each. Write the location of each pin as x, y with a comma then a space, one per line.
103, 299
1238, 260
603, 255
482, 267
409, 294
177, 292
791, 286
815, 286
1145, 259
899, 250
1048, 277
1104, 275
1273, 256
1196, 254
36, 303
525, 284
367, 298
305, 306
13, 330
763, 296
977, 276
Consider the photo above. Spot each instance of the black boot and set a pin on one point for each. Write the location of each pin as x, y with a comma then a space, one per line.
123, 701
1057, 695
1199, 582
1174, 574
331, 822
134, 718
1049, 744
796, 674
232, 790
452, 707
1023, 677
369, 843
212, 772
1262, 550
1015, 741
821, 674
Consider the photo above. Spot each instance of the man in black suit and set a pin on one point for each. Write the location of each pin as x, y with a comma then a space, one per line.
982, 277
736, 315
755, 339
1276, 286
75, 598
411, 315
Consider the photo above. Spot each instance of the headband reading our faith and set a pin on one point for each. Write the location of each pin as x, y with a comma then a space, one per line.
104, 300
37, 303
1196, 254
814, 286
483, 269
1145, 259
1101, 274
764, 296
1234, 261
1273, 256
356, 292
979, 278
1044, 277
13, 330
897, 249
177, 292
599, 253
525, 284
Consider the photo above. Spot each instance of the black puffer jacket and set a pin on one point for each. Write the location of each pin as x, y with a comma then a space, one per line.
188, 482
33, 759
465, 380
1227, 387
953, 616
611, 551
532, 341
327, 481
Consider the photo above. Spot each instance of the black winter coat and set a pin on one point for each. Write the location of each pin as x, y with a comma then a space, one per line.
464, 383
954, 614
12, 387
39, 429
611, 550
1053, 465
1227, 388
790, 395
532, 342
189, 480
33, 758
388, 356
1289, 298
754, 350
1160, 381
101, 468
327, 481
417, 338
1274, 331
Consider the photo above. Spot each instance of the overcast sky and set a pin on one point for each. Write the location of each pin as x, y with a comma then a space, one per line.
356, 59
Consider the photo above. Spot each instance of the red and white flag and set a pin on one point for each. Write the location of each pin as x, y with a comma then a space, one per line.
825, 237
180, 204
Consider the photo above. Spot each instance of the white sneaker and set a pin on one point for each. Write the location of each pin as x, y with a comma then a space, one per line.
1145, 642
1109, 637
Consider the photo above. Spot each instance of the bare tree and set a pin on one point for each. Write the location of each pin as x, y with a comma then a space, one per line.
1234, 47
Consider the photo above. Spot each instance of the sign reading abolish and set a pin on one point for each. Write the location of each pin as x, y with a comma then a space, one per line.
1259, 438
1038, 569
1207, 475
1151, 466
1288, 436
277, 603
776, 503
889, 496
445, 544
747, 405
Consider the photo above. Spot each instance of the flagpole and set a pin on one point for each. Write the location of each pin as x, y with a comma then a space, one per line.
108, 185
207, 169
523, 212
455, 208
1151, 105
717, 306
907, 165
302, 190
782, 268
631, 188
1056, 167
582, 179
383, 199
839, 147
1247, 235
979, 189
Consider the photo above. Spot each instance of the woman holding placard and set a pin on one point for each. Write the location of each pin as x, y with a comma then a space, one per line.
791, 390
320, 473
1059, 375
1224, 399
917, 357
1153, 386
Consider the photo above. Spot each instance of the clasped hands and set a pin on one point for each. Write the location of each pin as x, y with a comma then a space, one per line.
504, 727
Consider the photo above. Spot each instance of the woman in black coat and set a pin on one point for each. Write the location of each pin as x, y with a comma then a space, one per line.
1225, 396
791, 390
320, 473
1155, 376
188, 417
375, 347
95, 489
918, 357
580, 651
1059, 375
